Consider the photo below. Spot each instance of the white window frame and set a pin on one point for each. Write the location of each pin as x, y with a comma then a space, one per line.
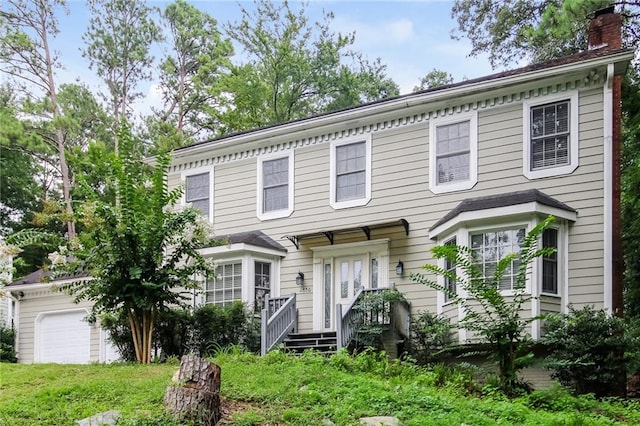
574, 137
276, 214
247, 254
198, 171
512, 217
243, 279
434, 123
333, 178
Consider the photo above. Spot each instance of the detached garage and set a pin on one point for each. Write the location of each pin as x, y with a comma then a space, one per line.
63, 337
51, 328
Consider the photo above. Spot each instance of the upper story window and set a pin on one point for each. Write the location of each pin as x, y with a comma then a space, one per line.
350, 173
453, 149
550, 135
275, 187
198, 191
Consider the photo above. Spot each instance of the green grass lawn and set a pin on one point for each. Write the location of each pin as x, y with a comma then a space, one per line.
285, 390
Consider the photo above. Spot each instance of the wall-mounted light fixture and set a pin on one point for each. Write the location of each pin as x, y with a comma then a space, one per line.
300, 278
400, 268
20, 295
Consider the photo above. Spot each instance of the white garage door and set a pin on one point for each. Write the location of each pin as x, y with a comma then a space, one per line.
64, 337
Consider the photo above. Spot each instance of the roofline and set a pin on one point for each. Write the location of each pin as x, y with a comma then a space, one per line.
406, 101
48, 284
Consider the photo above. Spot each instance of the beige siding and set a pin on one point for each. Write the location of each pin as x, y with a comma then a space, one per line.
400, 189
37, 302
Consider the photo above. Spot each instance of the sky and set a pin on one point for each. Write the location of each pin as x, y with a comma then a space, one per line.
410, 37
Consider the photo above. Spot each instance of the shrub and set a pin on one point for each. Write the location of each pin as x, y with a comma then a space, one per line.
375, 311
430, 335
8, 345
587, 348
179, 331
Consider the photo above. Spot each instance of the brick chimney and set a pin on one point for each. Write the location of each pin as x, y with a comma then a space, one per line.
605, 30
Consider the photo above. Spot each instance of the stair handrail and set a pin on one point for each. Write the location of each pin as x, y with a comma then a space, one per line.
348, 319
279, 318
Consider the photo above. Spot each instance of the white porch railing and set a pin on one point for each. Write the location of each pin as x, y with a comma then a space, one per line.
279, 318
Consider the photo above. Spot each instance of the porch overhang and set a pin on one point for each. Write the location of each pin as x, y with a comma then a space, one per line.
365, 229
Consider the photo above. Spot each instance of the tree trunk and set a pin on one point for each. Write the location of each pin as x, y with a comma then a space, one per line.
196, 395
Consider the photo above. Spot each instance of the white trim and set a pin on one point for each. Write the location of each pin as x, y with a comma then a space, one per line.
398, 105
607, 144
276, 214
500, 213
332, 178
328, 254
197, 171
239, 247
434, 123
574, 135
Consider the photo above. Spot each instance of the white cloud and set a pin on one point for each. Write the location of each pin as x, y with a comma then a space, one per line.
373, 34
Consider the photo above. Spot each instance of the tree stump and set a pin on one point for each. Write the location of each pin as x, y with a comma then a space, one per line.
196, 393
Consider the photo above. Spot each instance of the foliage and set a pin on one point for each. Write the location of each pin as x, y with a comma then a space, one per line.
434, 78
430, 336
630, 194
374, 316
217, 327
7, 344
493, 316
295, 69
26, 30
289, 390
141, 254
118, 41
206, 330
587, 348
534, 30
190, 76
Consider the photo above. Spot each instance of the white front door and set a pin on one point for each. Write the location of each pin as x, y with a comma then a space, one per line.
340, 271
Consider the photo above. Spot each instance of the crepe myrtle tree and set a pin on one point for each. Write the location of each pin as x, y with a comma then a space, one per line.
141, 253
490, 314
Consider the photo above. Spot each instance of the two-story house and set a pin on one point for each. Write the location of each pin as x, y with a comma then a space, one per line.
320, 209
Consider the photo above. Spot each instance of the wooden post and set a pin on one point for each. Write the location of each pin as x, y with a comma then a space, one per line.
196, 395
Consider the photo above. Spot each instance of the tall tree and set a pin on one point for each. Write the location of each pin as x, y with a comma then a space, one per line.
516, 30
118, 43
190, 73
26, 30
434, 78
295, 68
141, 253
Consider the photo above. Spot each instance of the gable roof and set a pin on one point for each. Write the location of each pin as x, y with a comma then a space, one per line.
503, 200
620, 56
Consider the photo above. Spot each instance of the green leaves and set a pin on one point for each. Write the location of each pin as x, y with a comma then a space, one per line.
492, 315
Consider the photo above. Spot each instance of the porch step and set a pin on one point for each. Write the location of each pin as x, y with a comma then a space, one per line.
324, 342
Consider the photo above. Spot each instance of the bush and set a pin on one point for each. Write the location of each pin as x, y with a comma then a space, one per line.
179, 331
217, 327
8, 345
430, 335
587, 350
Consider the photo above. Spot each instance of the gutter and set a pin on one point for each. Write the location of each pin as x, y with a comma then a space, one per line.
404, 102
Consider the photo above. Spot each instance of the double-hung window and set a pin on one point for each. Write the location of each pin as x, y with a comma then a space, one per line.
453, 150
350, 173
275, 187
198, 192
550, 135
